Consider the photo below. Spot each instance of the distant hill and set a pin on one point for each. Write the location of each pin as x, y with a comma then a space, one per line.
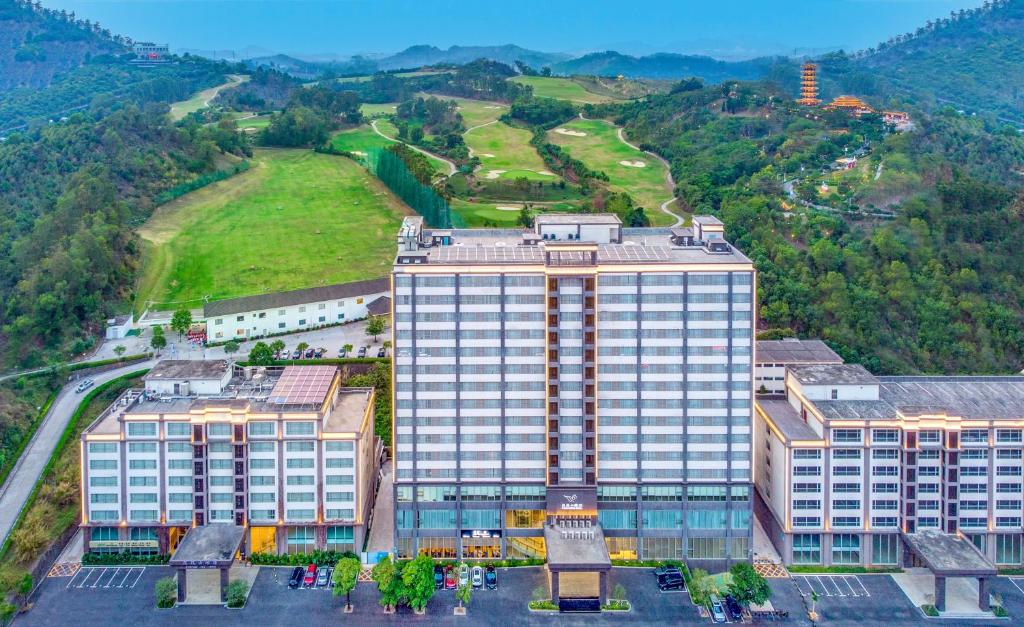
37, 44
417, 56
665, 66
972, 60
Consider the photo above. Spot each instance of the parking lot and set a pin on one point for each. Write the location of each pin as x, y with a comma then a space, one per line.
104, 596
831, 585
106, 577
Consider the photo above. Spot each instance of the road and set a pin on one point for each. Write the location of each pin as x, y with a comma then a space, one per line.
452, 168
180, 109
26, 472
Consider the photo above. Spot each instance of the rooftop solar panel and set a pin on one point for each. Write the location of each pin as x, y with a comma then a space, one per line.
303, 385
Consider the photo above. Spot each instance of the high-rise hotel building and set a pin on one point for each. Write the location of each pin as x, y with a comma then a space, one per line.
578, 370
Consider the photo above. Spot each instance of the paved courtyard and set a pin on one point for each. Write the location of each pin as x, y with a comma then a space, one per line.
62, 601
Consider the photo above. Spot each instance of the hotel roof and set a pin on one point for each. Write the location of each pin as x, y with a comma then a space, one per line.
277, 300
787, 420
190, 369
971, 398
303, 385
577, 218
793, 351
833, 374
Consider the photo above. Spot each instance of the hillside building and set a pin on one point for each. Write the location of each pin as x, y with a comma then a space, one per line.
287, 455
579, 381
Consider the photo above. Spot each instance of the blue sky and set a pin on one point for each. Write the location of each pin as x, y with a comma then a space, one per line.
729, 28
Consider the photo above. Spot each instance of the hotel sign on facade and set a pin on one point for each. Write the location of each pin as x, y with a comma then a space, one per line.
576, 500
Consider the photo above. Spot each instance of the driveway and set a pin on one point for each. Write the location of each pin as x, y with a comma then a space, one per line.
23, 477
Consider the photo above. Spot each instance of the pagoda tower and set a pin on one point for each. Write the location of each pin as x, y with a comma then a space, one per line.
809, 86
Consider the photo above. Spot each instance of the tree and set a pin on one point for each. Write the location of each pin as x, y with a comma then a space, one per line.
348, 349
277, 346
261, 355
814, 602
748, 586
237, 593
418, 581
525, 220
158, 342
464, 594
231, 347
386, 345
702, 586
166, 592
375, 326
24, 589
619, 592
302, 349
181, 321
345, 575
384, 574
119, 350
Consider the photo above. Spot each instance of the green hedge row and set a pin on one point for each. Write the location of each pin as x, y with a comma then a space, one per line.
200, 181
320, 558
123, 558
320, 362
106, 362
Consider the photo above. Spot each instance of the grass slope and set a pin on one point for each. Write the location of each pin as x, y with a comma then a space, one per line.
503, 148
560, 88
602, 150
370, 110
359, 140
295, 219
484, 214
180, 109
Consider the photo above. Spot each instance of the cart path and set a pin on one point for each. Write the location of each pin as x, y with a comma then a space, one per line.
452, 168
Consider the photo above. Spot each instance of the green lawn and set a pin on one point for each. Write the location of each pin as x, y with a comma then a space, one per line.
484, 214
602, 150
560, 88
370, 110
359, 140
476, 112
180, 109
257, 123
506, 152
295, 219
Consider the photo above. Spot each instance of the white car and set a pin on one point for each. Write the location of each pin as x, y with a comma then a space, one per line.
463, 575
478, 577
84, 385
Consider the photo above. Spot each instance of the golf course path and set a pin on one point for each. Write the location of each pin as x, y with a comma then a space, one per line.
180, 109
473, 128
668, 177
452, 168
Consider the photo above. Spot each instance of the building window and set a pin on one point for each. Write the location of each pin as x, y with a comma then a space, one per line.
885, 549
293, 427
481, 519
141, 429
1008, 548
481, 493
177, 429
531, 518
436, 519
301, 539
701, 548
845, 548
806, 548
617, 518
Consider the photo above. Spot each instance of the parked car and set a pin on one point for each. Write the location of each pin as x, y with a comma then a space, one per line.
362, 351
296, 579
671, 581
664, 570
310, 577
383, 352
309, 353
463, 575
478, 577
296, 354
438, 577
717, 612
318, 353
449, 577
733, 608
342, 353
323, 576
491, 578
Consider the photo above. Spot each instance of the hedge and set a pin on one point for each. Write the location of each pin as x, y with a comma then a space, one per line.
320, 362
124, 558
82, 365
320, 558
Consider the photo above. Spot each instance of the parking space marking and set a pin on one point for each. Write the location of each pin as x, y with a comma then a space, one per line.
1018, 583
83, 573
831, 585
137, 577
114, 573
127, 574
101, 575
106, 577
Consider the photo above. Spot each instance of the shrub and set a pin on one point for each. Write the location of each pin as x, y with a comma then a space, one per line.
929, 610
237, 592
166, 592
320, 558
1000, 612
545, 604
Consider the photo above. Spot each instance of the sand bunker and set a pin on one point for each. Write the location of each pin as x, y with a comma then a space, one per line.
493, 107
633, 164
359, 152
569, 131
546, 173
493, 174
486, 155
506, 208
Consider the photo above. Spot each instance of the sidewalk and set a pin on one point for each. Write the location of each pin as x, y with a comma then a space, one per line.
382, 533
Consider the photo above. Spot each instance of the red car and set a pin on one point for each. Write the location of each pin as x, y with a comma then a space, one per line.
310, 577
449, 578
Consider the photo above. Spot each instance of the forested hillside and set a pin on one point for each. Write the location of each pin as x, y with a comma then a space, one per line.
667, 65
938, 289
36, 44
970, 60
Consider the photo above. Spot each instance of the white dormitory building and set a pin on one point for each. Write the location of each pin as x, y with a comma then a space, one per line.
296, 310
850, 465
581, 373
288, 454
